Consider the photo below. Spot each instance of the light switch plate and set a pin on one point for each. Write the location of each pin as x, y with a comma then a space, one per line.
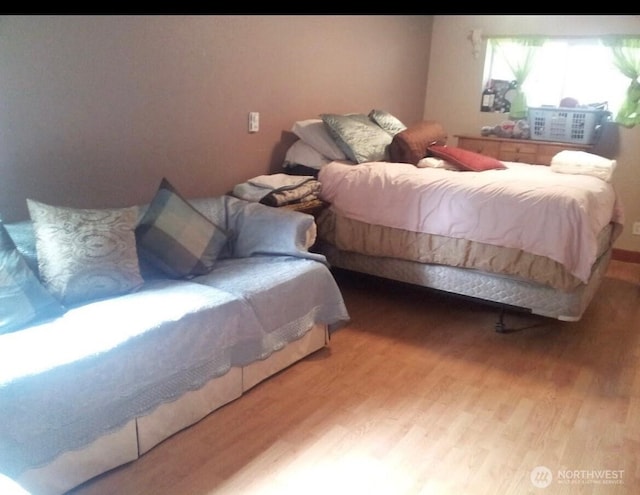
254, 121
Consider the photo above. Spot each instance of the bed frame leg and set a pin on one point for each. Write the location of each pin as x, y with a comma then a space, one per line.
500, 326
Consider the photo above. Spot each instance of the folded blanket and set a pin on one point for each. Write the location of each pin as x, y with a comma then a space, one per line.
278, 189
307, 191
581, 162
249, 192
277, 181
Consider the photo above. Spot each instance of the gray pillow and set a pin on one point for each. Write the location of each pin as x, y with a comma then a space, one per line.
23, 299
361, 139
388, 122
176, 238
86, 254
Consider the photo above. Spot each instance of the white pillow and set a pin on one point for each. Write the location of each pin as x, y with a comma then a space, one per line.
433, 162
584, 163
300, 153
314, 133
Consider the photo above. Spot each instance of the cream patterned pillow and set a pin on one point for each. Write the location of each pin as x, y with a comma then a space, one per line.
86, 254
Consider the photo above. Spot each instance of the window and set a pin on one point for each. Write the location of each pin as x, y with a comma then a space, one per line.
582, 69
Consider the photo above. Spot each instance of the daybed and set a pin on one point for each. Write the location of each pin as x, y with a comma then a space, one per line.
406, 206
102, 380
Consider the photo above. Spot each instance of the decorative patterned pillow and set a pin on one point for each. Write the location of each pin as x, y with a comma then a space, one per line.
466, 159
23, 299
176, 238
358, 137
388, 122
86, 254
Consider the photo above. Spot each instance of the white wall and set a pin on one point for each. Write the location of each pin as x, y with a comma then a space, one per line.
455, 83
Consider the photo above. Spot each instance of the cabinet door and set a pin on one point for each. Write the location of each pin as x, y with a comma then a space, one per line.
487, 147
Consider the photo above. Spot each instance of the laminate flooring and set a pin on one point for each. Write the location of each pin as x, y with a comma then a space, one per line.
419, 394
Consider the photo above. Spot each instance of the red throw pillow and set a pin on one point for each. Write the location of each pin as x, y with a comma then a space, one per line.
465, 159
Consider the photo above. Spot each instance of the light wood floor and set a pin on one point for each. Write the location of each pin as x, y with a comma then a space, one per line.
419, 395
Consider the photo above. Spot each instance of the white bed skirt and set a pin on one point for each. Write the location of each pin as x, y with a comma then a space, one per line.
142, 434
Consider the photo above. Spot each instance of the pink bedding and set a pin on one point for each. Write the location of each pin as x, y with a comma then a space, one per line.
527, 207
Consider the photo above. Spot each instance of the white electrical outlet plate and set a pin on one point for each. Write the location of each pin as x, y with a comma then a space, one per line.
254, 121
636, 228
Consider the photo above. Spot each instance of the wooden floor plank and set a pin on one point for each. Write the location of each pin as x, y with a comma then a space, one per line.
419, 394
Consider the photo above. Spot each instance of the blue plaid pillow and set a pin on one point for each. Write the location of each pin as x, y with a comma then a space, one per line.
176, 238
23, 299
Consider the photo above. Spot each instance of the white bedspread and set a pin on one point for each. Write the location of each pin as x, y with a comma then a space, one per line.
527, 207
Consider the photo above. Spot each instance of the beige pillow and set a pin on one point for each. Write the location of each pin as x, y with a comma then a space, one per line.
86, 254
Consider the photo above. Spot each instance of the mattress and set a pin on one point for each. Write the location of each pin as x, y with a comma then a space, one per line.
523, 207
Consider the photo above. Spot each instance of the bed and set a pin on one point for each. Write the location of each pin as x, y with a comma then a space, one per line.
413, 209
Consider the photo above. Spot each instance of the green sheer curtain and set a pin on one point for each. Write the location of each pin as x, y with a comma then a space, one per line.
626, 57
519, 54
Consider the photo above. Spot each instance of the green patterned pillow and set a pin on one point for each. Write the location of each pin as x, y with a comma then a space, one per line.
361, 139
390, 123
176, 238
86, 254
23, 299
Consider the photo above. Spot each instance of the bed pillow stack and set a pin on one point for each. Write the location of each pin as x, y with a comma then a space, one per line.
352, 138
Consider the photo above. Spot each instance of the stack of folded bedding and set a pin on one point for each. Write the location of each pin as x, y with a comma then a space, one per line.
278, 189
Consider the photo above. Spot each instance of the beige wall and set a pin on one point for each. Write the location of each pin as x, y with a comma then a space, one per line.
95, 110
455, 83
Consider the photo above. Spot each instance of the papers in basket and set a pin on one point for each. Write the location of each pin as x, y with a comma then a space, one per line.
581, 162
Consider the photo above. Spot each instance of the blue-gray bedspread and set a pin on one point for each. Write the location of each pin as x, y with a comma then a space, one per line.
65, 382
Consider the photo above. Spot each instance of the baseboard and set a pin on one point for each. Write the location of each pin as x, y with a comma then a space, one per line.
626, 256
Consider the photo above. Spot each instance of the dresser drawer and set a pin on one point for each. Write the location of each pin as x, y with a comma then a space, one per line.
514, 156
518, 147
482, 146
517, 150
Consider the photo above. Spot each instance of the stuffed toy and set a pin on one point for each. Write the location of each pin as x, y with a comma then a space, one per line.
508, 129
